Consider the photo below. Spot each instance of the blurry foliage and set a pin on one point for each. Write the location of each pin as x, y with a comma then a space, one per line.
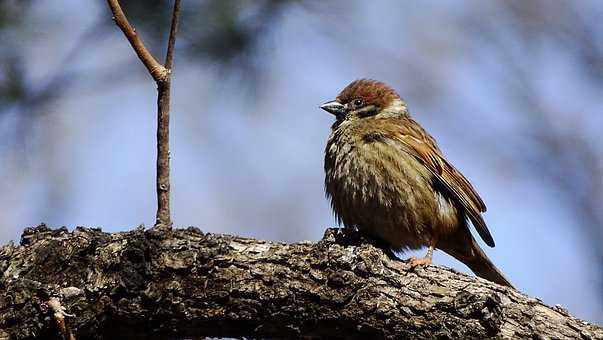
12, 82
571, 27
228, 33
225, 32
562, 153
11, 11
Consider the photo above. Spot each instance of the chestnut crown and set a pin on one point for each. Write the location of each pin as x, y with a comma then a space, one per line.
371, 92
365, 96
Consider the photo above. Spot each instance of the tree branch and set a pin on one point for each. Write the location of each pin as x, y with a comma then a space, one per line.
162, 76
169, 56
163, 217
157, 71
184, 283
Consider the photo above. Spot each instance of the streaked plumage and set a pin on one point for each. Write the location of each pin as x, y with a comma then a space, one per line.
386, 176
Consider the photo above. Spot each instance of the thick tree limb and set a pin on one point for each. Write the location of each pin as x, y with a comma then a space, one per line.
185, 283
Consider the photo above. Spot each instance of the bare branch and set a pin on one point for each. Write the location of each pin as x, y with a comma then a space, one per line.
169, 56
157, 71
163, 217
162, 76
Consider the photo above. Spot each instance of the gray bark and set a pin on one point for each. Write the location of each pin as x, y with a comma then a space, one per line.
184, 283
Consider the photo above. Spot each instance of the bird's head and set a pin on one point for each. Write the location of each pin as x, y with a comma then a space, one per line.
365, 98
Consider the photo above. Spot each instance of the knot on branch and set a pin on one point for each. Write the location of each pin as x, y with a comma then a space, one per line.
487, 309
160, 74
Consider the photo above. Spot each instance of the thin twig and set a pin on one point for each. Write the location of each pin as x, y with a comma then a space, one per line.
157, 71
59, 314
169, 56
163, 217
162, 76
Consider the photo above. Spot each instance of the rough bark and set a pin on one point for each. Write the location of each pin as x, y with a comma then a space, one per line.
184, 283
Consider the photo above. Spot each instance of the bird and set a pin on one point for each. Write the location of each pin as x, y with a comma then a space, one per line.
386, 177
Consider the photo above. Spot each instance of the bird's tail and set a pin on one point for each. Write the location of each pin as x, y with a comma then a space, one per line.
475, 258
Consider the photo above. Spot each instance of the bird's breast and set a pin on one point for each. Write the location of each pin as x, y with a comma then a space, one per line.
376, 186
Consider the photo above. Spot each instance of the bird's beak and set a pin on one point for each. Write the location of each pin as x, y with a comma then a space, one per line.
334, 107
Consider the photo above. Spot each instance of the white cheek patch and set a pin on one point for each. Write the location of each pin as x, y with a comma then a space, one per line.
397, 105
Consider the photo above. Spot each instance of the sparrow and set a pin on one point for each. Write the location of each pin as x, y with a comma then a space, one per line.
386, 177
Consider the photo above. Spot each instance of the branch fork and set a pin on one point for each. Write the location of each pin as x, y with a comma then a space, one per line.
161, 74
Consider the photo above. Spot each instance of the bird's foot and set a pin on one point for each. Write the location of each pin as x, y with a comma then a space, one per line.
422, 261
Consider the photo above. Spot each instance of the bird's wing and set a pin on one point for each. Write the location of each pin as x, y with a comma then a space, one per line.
422, 146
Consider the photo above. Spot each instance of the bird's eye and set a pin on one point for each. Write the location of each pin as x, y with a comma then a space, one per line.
358, 102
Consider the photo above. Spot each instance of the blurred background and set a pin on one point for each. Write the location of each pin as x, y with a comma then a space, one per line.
512, 91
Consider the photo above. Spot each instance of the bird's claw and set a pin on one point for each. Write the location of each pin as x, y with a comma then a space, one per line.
421, 261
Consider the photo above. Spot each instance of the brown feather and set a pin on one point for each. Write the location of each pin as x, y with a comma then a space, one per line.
373, 92
423, 147
386, 176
